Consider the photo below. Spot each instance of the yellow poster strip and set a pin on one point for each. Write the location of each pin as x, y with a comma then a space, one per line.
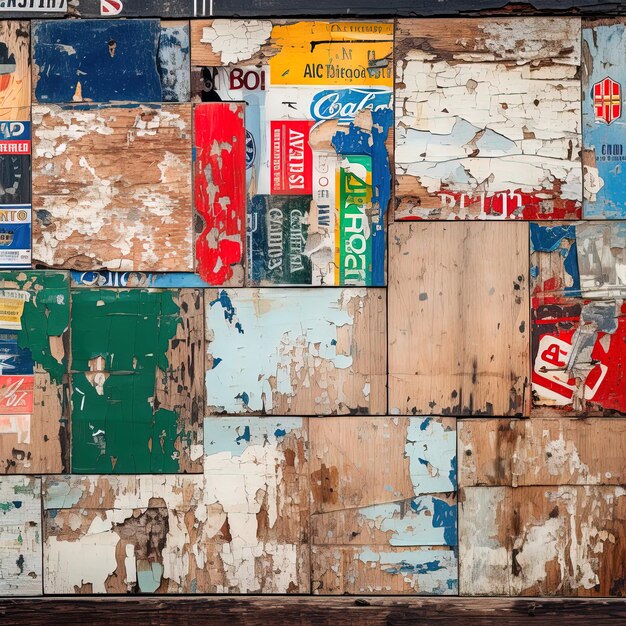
12, 307
355, 54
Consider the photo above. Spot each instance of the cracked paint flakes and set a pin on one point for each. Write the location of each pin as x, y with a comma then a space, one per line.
232, 41
603, 81
578, 322
487, 130
20, 536
37, 441
219, 191
131, 363
375, 526
239, 528
560, 545
304, 347
95, 211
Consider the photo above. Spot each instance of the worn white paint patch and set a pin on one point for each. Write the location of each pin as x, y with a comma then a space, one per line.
237, 528
261, 340
20, 536
236, 40
478, 118
484, 564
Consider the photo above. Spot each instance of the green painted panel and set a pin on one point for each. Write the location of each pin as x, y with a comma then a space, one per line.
116, 425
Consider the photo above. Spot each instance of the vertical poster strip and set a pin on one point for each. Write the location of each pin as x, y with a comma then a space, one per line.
219, 192
604, 134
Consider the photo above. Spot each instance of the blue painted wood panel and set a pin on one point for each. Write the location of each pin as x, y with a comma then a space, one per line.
96, 61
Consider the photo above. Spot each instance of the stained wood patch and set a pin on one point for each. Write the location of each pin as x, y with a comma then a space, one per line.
240, 528
34, 437
543, 541
554, 451
458, 319
374, 529
486, 129
137, 381
112, 187
296, 351
220, 192
15, 74
20, 536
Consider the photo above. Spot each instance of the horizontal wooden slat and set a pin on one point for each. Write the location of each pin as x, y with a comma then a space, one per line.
277, 610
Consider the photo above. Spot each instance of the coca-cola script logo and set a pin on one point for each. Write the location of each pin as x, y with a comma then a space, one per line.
344, 104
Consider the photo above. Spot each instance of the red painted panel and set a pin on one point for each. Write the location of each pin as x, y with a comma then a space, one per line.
219, 191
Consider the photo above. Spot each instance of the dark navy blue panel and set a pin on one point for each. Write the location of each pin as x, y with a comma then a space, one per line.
96, 60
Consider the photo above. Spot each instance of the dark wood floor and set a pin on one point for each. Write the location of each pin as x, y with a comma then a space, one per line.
331, 611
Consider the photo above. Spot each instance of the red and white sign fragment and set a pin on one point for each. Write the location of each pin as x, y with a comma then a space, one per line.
291, 157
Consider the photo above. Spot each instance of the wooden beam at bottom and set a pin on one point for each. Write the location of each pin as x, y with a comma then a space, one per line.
320, 610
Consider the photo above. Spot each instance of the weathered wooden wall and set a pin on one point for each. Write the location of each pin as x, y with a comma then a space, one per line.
268, 315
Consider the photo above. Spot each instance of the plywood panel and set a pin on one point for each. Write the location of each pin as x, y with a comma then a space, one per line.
219, 192
34, 325
20, 536
360, 461
458, 319
553, 451
296, 351
372, 527
579, 328
15, 75
240, 528
488, 128
112, 187
538, 541
137, 381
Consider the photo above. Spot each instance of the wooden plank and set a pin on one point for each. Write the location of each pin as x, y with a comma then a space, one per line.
534, 541
34, 437
219, 192
578, 324
372, 527
360, 462
95, 172
318, 120
563, 451
15, 72
360, 570
486, 129
341, 610
603, 75
135, 357
20, 536
111, 60
296, 351
452, 286
240, 528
